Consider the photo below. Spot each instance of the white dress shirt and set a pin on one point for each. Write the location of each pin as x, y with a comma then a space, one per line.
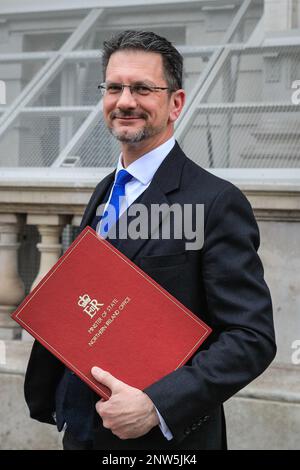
143, 170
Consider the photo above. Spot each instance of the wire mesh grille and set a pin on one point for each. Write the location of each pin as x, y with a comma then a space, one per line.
228, 138
24, 71
247, 117
246, 136
76, 84
247, 25
99, 148
49, 41
255, 75
35, 140
104, 31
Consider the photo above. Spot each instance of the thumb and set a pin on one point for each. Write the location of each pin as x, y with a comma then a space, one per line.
105, 378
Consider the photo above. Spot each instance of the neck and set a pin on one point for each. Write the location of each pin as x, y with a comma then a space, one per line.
131, 152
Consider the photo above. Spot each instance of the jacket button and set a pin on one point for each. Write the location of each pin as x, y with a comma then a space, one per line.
194, 427
187, 431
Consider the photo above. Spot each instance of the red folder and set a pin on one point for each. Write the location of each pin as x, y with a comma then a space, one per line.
97, 308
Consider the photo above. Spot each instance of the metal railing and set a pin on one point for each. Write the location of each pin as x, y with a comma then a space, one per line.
236, 95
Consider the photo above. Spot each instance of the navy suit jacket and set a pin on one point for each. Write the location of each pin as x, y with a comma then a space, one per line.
222, 283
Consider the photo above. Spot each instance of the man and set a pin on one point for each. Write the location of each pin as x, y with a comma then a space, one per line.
221, 282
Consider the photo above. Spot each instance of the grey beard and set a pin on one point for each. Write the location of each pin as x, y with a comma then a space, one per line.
140, 135
131, 139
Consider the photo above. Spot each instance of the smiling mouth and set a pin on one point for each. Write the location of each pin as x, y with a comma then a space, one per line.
128, 118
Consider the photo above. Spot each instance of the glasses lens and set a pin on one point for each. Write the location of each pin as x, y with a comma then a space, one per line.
114, 88
141, 89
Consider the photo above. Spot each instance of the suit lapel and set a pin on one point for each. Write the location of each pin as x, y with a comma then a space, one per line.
166, 179
127, 245
96, 199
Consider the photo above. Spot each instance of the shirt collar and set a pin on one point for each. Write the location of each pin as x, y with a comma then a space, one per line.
144, 167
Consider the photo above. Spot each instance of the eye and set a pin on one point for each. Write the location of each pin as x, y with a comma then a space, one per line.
113, 88
142, 89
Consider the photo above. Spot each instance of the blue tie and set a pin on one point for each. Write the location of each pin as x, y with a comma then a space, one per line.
118, 191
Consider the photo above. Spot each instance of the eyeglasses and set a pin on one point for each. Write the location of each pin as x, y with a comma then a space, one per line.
137, 89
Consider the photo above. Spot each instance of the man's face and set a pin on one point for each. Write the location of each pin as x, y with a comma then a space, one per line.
133, 118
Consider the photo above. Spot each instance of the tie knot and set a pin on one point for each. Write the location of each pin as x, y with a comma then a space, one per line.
123, 177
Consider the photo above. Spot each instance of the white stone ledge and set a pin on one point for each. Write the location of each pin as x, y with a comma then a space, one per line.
41, 178
273, 193
266, 179
262, 179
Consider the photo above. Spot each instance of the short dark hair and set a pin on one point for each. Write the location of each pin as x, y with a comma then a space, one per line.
150, 42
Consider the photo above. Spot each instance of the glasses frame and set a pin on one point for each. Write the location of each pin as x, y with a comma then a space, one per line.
103, 88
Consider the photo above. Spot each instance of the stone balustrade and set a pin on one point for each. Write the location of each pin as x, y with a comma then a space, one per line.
48, 199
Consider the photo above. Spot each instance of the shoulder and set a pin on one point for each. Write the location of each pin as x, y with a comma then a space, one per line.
204, 184
219, 196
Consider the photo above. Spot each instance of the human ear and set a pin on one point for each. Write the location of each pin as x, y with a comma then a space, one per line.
177, 101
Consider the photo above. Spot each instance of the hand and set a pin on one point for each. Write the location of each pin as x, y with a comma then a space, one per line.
128, 413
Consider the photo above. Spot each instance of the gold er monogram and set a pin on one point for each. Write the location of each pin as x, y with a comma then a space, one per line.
91, 307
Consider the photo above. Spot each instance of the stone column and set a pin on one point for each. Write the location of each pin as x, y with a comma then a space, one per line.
76, 220
12, 289
50, 228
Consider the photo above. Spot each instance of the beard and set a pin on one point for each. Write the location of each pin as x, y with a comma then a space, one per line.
131, 136
134, 136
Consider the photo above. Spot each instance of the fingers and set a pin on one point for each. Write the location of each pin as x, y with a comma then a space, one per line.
105, 378
99, 408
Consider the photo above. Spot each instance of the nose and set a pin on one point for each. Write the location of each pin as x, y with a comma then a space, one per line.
126, 99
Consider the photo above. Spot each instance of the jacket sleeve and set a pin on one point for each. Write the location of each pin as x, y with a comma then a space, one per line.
42, 376
240, 312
